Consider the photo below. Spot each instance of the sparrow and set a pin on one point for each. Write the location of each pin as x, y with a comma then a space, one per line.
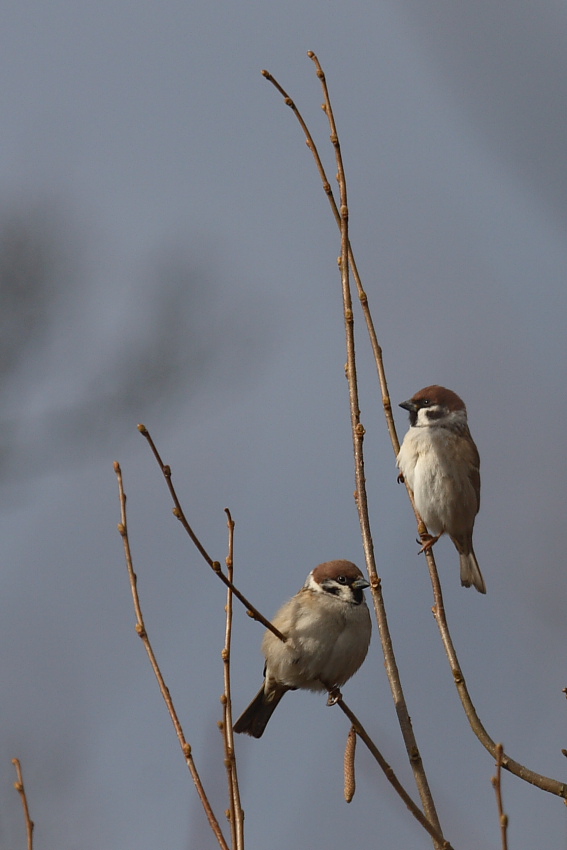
327, 628
439, 461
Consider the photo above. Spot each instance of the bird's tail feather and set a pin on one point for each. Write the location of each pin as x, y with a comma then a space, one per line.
254, 719
470, 572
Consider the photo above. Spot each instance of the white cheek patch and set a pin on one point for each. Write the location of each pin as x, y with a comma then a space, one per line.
435, 414
423, 419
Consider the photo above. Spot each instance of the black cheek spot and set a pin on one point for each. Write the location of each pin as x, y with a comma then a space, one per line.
435, 413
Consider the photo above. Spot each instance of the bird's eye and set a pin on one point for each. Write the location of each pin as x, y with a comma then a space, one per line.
426, 402
342, 579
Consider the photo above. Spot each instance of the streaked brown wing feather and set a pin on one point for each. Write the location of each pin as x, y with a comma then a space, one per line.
473, 459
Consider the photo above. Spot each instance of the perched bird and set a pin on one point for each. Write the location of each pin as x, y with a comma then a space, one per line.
439, 461
327, 626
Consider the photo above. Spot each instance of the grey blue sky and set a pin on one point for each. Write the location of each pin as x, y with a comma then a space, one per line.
168, 256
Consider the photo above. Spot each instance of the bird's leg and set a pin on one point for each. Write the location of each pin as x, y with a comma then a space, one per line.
334, 692
334, 695
427, 541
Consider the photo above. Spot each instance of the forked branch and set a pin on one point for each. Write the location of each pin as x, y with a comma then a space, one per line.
215, 566
236, 813
545, 783
435, 833
341, 216
141, 630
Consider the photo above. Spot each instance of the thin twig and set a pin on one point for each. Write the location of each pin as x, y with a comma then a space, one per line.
141, 630
358, 432
215, 566
497, 783
433, 830
545, 783
236, 812
358, 437
363, 297
19, 786
435, 833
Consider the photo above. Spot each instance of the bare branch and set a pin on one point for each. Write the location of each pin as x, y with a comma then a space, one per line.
543, 782
141, 630
236, 811
436, 834
358, 431
19, 786
553, 786
363, 298
497, 783
215, 566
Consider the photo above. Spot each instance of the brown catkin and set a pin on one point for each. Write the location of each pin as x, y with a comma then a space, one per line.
350, 749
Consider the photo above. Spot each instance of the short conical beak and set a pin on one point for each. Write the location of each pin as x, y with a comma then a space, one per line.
360, 582
409, 405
